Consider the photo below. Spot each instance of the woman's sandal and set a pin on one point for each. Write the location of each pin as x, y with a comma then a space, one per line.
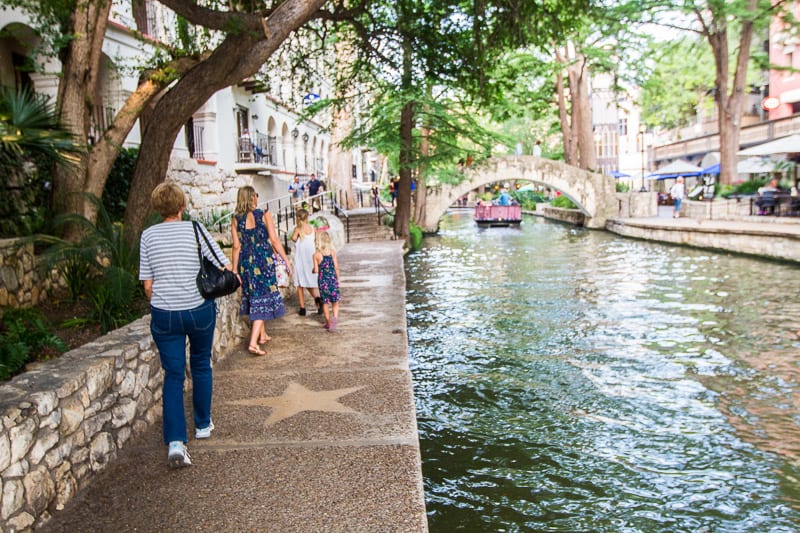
255, 350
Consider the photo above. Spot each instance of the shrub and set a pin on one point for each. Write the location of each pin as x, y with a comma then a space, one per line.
415, 236
25, 335
115, 194
563, 202
101, 266
622, 187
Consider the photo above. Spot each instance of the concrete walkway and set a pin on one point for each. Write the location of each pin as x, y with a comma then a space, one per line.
766, 237
319, 435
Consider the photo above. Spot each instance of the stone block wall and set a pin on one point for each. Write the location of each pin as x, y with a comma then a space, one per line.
21, 284
66, 419
207, 187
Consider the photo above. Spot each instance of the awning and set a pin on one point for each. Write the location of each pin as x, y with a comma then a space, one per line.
618, 174
786, 145
679, 167
755, 165
713, 169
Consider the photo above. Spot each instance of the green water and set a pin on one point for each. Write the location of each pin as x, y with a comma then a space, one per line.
574, 380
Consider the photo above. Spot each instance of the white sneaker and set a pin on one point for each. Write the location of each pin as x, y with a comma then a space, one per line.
205, 432
178, 455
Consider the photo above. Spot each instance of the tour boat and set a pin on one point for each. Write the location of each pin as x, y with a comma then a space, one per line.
498, 215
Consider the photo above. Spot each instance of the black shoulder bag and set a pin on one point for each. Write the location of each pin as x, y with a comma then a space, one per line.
213, 281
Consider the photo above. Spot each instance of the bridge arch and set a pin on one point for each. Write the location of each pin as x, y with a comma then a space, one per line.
593, 193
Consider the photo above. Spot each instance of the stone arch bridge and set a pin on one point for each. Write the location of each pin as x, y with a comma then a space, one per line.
594, 194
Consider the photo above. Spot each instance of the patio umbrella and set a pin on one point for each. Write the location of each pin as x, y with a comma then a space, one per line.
755, 165
713, 169
679, 167
618, 174
786, 145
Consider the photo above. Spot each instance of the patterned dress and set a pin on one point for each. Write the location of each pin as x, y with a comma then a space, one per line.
327, 281
261, 298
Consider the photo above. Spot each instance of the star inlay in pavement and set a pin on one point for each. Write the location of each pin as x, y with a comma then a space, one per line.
296, 399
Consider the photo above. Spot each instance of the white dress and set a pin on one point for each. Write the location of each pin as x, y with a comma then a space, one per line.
304, 249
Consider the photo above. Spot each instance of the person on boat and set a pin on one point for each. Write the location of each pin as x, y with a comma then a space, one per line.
505, 198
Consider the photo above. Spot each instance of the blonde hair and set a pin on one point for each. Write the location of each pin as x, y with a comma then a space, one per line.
324, 244
167, 199
302, 216
246, 200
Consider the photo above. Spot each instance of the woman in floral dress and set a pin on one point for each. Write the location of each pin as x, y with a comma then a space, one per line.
254, 240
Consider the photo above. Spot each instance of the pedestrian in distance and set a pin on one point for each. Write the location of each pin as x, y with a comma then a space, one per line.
537, 149
296, 189
168, 267
677, 193
303, 237
326, 266
255, 241
314, 187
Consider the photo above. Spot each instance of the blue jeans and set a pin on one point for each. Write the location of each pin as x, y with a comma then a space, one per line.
677, 203
170, 330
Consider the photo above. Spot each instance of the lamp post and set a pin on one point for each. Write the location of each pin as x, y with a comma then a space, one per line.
642, 131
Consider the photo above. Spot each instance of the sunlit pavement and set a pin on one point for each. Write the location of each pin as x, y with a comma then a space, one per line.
319, 435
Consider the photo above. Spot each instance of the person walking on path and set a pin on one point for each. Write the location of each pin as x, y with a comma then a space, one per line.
304, 247
296, 190
677, 192
255, 240
327, 268
168, 266
313, 187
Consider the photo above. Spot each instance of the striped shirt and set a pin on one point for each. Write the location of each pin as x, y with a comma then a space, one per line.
168, 256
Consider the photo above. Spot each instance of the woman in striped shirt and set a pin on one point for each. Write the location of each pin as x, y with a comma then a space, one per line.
168, 266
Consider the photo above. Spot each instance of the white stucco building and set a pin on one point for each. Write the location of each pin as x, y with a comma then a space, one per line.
244, 134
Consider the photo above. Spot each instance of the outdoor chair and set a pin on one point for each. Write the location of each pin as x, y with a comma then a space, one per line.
766, 203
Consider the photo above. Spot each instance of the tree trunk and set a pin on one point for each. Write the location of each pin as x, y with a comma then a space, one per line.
340, 162
730, 105
567, 136
402, 215
75, 103
581, 112
240, 55
420, 195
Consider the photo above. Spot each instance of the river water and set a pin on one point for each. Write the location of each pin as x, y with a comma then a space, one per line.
574, 380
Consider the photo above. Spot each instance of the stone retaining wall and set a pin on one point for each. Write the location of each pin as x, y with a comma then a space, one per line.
570, 216
21, 284
63, 421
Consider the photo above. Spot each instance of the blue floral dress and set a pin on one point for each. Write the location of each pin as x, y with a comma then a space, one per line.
261, 298
327, 280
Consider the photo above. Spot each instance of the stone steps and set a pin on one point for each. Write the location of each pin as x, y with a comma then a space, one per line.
365, 227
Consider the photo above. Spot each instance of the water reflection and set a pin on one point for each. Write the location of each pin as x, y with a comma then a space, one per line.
572, 380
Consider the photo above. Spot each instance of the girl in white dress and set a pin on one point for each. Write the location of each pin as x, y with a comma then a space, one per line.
304, 247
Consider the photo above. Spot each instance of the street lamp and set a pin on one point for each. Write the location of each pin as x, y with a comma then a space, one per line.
642, 131
295, 133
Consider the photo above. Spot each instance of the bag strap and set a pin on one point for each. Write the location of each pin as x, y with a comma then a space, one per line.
195, 224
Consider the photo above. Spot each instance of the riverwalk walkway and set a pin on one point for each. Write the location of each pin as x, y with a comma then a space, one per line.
319, 435
767, 237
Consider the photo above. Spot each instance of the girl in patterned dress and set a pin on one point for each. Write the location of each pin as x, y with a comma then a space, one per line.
327, 268
254, 240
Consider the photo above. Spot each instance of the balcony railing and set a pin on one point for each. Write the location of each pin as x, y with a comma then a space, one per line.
748, 136
256, 150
